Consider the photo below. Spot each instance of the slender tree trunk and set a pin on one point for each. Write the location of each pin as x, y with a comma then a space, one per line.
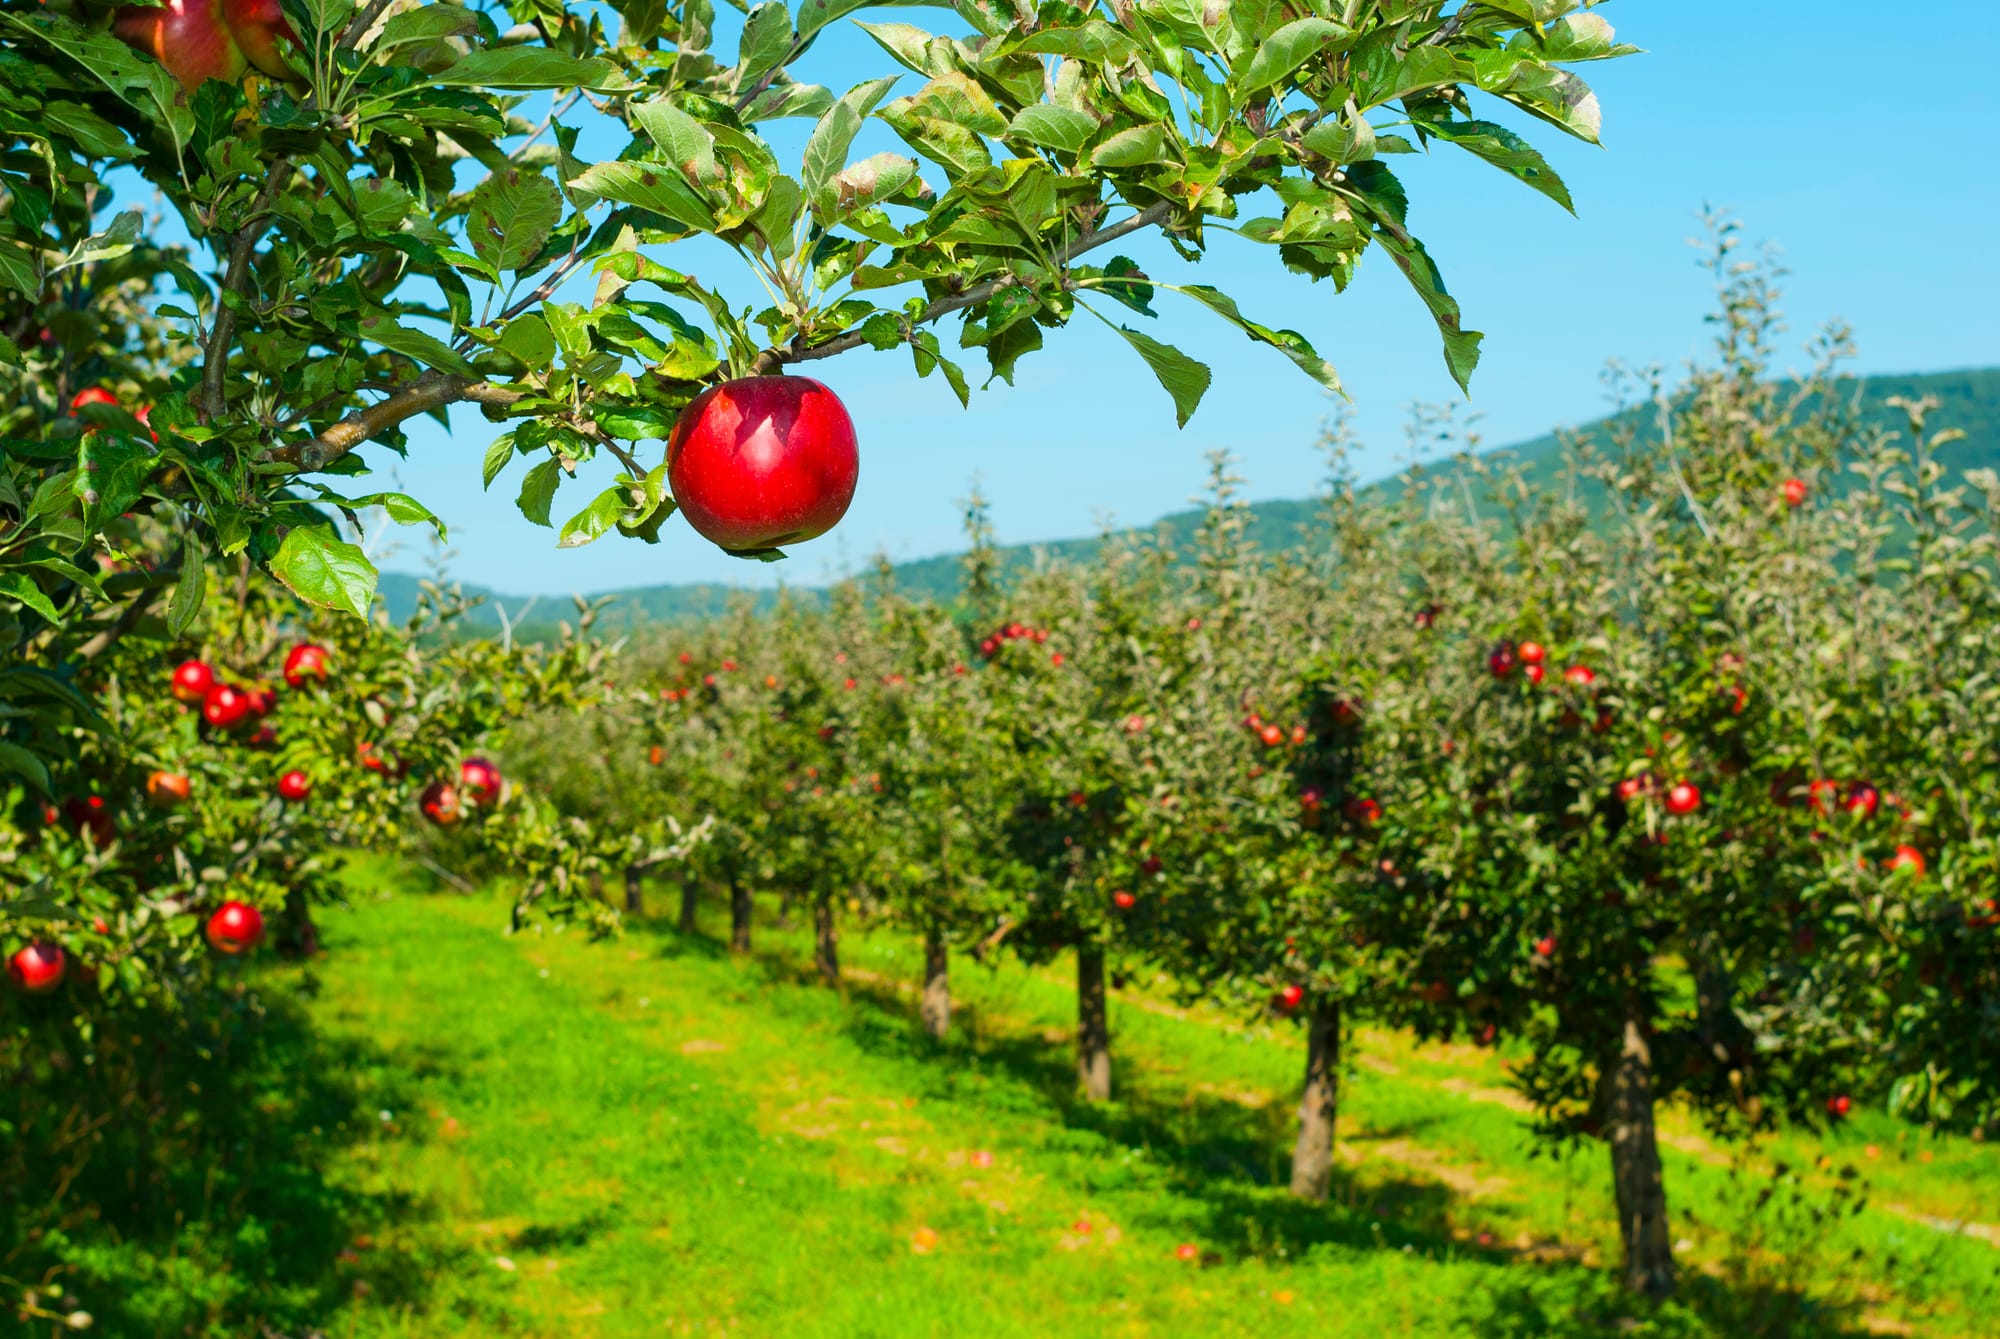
826, 941
690, 899
739, 916
298, 937
635, 896
597, 885
1312, 1157
1093, 1025
935, 1006
785, 900
1635, 1163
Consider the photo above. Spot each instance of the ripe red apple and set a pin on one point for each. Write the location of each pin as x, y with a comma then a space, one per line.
1290, 997
236, 927
439, 803
192, 680
1738, 697
1427, 617
1838, 1107
225, 706
294, 786
1535, 673
38, 968
1906, 858
262, 701
1363, 810
1187, 1250
1272, 736
763, 461
1630, 789
189, 37
1502, 662
1311, 798
1581, 675
1862, 800
306, 661
256, 25
1546, 946
167, 789
1683, 799
1530, 653
1795, 492
1123, 900
478, 781
1346, 713
656, 755
90, 395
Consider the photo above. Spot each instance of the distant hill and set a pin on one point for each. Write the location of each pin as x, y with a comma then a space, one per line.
1969, 400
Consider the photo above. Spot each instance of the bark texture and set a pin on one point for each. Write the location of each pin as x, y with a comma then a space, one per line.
826, 942
1635, 1164
935, 1005
1312, 1156
1093, 1025
690, 899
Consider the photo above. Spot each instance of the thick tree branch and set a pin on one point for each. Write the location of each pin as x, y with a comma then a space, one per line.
773, 359
432, 390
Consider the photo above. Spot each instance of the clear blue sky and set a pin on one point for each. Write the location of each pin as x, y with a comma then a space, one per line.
1856, 136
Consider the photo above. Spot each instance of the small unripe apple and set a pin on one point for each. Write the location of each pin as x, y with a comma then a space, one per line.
294, 786
478, 781
439, 803
763, 461
1683, 799
167, 789
236, 927
225, 706
191, 682
38, 968
306, 661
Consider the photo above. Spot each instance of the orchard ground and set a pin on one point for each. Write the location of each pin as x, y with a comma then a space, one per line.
540, 1135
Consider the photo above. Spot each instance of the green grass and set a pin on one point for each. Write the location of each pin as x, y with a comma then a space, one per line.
462, 1133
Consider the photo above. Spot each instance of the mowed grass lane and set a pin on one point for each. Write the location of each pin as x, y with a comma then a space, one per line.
645, 1136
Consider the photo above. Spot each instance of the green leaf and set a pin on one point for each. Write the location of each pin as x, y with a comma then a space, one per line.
1505, 150
20, 587
1184, 379
124, 234
189, 590
18, 271
531, 67
1556, 96
538, 490
1285, 50
15, 759
1049, 127
686, 142
826, 151
1131, 148
646, 186
1288, 342
861, 184
400, 508
322, 569
767, 40
1461, 347
430, 23
510, 216
1093, 41
1578, 37
498, 452
528, 338
602, 515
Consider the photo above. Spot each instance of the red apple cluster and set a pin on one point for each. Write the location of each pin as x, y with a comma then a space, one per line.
1011, 632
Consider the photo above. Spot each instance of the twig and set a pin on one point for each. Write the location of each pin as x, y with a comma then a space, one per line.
235, 279
362, 22
1145, 218
432, 390
445, 874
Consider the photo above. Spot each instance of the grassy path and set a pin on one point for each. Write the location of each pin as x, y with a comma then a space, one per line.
647, 1137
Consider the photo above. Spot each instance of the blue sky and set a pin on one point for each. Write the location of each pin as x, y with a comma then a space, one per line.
1854, 136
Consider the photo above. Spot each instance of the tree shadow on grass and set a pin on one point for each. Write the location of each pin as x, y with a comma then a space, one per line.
205, 1200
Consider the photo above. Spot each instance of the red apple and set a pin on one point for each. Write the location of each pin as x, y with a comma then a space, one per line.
1683, 799
256, 26
439, 803
225, 706
763, 461
1530, 653
1123, 900
90, 395
1906, 858
167, 789
1290, 997
1272, 736
1838, 1107
294, 786
656, 755
192, 680
1187, 1250
262, 701
1502, 662
478, 781
1535, 673
90, 815
1362, 810
306, 661
1311, 798
1546, 946
38, 968
189, 37
1795, 492
236, 927
1581, 675
1862, 800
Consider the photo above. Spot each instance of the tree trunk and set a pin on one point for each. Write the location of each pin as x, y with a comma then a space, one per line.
597, 885
1093, 1025
690, 898
739, 916
1635, 1164
785, 900
1312, 1157
826, 942
635, 896
935, 1006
